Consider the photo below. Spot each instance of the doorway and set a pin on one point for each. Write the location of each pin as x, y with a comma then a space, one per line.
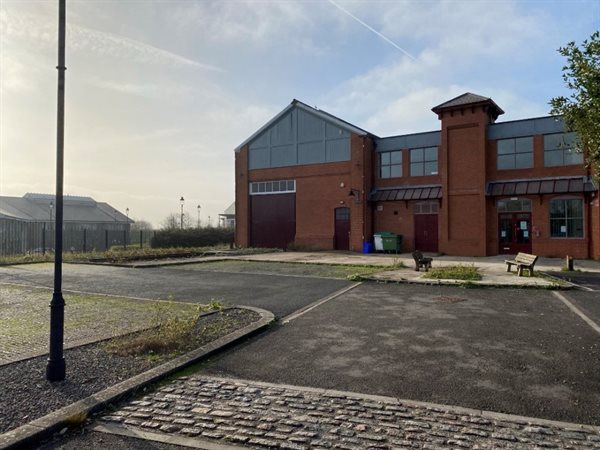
514, 231
342, 228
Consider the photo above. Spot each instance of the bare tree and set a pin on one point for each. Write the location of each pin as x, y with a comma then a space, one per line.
141, 224
173, 221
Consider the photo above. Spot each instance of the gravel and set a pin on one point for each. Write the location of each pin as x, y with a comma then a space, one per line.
26, 395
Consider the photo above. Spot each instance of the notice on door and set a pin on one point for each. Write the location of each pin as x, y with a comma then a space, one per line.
523, 224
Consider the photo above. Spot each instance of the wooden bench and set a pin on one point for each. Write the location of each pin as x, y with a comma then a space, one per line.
522, 261
421, 261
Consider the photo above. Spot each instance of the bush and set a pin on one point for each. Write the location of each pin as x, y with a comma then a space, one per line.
458, 272
192, 237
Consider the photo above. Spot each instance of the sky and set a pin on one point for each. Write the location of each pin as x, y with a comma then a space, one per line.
159, 93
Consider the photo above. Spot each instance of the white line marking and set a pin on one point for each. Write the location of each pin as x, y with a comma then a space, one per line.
577, 311
312, 306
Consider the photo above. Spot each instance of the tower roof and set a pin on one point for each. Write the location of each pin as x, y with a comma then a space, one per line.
469, 99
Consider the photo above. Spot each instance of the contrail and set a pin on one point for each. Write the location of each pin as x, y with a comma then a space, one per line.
345, 11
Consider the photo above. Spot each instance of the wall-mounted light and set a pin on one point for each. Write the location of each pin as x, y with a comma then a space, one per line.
356, 194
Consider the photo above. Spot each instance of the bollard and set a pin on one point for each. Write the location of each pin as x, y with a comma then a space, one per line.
569, 263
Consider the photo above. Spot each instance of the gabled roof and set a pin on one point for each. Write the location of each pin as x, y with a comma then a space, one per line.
36, 208
230, 211
468, 98
314, 111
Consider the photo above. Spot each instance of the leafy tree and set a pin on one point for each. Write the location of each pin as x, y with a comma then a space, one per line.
581, 110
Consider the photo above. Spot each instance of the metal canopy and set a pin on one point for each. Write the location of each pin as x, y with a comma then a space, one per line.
406, 193
559, 185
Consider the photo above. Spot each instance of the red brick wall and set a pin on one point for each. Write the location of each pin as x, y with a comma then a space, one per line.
242, 214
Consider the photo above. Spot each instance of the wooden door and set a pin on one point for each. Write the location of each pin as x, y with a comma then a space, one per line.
342, 229
426, 232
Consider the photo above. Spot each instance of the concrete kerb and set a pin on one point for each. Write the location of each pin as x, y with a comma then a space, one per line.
76, 413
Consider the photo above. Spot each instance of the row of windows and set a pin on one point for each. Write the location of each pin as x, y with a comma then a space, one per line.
272, 187
423, 161
559, 150
515, 153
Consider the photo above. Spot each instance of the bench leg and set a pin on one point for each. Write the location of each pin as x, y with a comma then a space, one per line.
520, 271
508, 266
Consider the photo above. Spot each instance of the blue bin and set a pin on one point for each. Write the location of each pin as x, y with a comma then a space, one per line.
367, 247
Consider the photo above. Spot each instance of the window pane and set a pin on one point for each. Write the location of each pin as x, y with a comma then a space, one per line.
558, 228
554, 158
396, 171
572, 157
501, 206
506, 162
431, 168
269, 186
524, 145
506, 146
574, 208
416, 169
291, 185
416, 155
557, 208
396, 158
431, 154
283, 186
385, 158
385, 172
552, 141
574, 227
254, 187
261, 187
523, 160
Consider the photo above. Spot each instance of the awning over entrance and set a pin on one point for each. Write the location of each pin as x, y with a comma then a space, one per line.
540, 186
406, 193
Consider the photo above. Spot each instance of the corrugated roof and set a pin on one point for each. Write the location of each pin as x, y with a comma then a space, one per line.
36, 207
406, 193
558, 185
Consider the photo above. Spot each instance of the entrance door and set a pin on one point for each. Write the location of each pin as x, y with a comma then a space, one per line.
514, 233
273, 220
342, 228
426, 232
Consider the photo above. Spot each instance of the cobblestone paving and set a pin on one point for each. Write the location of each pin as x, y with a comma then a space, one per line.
24, 319
262, 415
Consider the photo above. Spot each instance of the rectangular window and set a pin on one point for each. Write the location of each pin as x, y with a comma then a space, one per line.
390, 164
566, 218
561, 149
272, 187
515, 153
423, 161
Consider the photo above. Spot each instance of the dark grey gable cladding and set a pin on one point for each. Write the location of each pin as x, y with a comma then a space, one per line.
416, 140
526, 127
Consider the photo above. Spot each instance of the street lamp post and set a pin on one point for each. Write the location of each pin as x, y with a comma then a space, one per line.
56, 368
181, 200
198, 216
125, 229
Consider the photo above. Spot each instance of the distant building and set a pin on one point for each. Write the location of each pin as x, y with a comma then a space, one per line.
474, 187
227, 218
27, 224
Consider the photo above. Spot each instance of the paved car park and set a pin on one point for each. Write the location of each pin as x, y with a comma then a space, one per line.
280, 295
515, 351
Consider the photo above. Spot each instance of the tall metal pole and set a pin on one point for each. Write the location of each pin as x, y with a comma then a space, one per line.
55, 370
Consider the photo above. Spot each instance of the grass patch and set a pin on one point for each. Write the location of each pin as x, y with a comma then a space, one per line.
171, 333
120, 254
351, 272
458, 272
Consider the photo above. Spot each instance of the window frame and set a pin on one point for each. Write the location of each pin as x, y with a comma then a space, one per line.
566, 218
272, 187
567, 149
389, 165
513, 154
414, 163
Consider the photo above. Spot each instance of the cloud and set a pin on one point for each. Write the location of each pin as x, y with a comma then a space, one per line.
41, 31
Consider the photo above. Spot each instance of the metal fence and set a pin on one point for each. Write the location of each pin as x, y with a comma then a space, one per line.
18, 237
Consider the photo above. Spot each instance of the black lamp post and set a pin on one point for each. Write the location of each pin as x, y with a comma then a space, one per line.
181, 200
198, 216
55, 370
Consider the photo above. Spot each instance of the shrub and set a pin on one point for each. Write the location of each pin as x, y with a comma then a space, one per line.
458, 272
192, 237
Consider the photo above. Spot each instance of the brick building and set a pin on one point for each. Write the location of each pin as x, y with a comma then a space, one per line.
473, 188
